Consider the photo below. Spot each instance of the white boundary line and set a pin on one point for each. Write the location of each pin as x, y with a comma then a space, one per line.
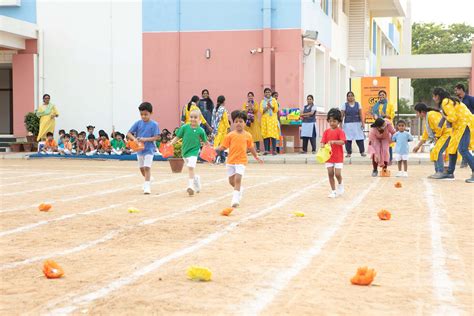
283, 277
60, 186
111, 234
96, 210
29, 175
137, 274
443, 286
66, 177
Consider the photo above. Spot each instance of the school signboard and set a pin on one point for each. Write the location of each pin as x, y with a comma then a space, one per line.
366, 91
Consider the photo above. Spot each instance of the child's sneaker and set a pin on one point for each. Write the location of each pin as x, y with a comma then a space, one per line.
197, 183
146, 188
399, 174
340, 189
191, 186
405, 174
235, 199
332, 195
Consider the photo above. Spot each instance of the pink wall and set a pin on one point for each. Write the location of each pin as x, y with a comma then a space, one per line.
23, 90
231, 71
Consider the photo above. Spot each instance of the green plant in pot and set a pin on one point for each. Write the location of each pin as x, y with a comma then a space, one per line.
32, 123
177, 162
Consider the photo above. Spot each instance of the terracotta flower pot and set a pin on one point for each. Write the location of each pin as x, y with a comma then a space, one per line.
31, 138
176, 164
27, 147
15, 148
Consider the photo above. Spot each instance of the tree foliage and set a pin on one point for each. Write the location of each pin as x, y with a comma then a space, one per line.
434, 38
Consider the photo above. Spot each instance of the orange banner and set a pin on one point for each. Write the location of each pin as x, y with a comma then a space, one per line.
370, 87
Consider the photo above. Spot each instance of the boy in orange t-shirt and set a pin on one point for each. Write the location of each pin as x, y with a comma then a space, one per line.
238, 142
50, 145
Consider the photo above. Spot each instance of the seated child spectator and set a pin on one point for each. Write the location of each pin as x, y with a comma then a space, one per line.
60, 138
104, 146
81, 143
67, 146
118, 145
74, 135
91, 146
50, 146
90, 131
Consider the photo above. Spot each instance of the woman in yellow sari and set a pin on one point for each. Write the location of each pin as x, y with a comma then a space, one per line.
433, 132
456, 115
47, 113
270, 128
253, 120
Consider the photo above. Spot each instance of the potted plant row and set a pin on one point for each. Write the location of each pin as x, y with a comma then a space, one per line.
32, 123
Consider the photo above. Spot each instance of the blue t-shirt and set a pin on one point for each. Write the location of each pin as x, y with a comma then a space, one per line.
468, 100
146, 129
402, 139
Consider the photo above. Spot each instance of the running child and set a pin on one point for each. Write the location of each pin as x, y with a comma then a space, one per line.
192, 135
401, 138
147, 131
238, 142
335, 137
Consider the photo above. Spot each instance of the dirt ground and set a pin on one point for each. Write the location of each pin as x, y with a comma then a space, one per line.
264, 259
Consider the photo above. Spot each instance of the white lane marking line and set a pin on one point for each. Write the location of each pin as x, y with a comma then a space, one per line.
302, 260
121, 282
67, 216
29, 175
443, 286
111, 234
60, 186
80, 197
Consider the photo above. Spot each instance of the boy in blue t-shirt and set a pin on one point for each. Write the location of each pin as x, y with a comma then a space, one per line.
147, 131
402, 148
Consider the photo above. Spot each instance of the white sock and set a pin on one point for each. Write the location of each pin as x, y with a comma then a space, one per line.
190, 183
236, 195
147, 183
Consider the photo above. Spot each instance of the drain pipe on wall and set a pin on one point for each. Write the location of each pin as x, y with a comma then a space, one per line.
267, 43
40, 47
179, 61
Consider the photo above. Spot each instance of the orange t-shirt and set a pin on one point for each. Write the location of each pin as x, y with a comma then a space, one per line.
50, 143
68, 146
105, 144
238, 143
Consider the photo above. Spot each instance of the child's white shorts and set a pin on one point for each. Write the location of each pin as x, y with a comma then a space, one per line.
191, 161
398, 157
233, 169
145, 161
337, 165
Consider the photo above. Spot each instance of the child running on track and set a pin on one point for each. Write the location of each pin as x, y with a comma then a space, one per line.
402, 138
336, 137
238, 142
146, 131
192, 135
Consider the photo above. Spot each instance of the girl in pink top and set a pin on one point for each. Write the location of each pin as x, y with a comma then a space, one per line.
380, 137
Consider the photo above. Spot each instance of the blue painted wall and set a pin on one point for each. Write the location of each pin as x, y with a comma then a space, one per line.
215, 15
25, 12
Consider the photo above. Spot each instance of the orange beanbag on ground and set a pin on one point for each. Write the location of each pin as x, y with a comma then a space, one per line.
385, 173
384, 215
227, 211
52, 270
364, 276
208, 154
398, 184
43, 207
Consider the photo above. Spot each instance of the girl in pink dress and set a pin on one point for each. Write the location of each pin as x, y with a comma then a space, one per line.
380, 137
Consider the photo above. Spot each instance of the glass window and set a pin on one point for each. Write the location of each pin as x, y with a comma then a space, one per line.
335, 10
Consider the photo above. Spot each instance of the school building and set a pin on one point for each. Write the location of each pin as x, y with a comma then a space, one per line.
99, 59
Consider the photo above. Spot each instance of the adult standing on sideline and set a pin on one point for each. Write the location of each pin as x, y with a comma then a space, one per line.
468, 100
253, 120
47, 113
385, 110
188, 108
269, 111
457, 116
308, 127
353, 124
435, 133
465, 98
206, 106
